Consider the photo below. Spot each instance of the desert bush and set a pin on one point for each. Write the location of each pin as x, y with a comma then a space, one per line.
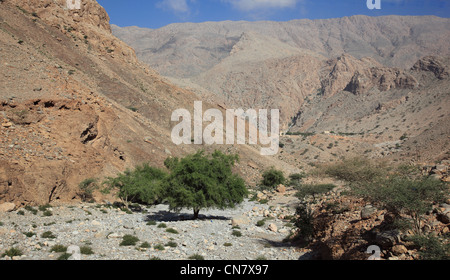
296, 179
129, 240
48, 234
305, 222
86, 250
86, 189
313, 190
12, 252
400, 195
58, 249
431, 247
196, 257
356, 171
272, 178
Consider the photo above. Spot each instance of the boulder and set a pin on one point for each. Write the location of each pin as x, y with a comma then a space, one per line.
239, 220
273, 227
368, 211
7, 207
387, 239
444, 218
398, 250
281, 189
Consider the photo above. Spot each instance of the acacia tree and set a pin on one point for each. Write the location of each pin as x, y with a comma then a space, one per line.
198, 181
142, 185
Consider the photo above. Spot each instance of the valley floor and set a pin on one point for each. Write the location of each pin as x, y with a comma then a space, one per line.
102, 228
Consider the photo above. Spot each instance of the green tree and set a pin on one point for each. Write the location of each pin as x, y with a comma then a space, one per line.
142, 185
198, 181
403, 195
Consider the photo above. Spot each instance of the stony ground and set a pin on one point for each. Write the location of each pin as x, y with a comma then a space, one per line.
102, 228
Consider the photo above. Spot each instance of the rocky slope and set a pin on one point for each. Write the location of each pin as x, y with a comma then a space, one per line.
185, 50
384, 77
76, 103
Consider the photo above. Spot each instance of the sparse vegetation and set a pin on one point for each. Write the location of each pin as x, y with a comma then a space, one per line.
12, 252
48, 235
236, 233
196, 257
87, 188
129, 240
58, 248
171, 230
272, 178
86, 250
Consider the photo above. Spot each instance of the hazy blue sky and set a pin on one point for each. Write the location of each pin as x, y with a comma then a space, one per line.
158, 13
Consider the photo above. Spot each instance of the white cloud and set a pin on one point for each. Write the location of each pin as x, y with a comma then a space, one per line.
249, 5
177, 6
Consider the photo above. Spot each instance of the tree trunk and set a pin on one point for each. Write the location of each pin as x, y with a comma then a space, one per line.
196, 211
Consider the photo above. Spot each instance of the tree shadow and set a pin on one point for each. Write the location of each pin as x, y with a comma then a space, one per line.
168, 216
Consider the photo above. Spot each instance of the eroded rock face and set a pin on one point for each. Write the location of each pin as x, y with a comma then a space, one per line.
359, 76
91, 23
434, 65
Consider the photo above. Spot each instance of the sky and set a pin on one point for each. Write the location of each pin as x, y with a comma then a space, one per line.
159, 13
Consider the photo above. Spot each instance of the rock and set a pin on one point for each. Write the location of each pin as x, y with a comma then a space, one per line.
444, 218
239, 220
6, 125
95, 223
273, 227
387, 239
281, 189
7, 207
398, 250
114, 235
368, 211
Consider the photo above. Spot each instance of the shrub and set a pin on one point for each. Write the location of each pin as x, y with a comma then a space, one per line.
64, 257
199, 181
145, 245
402, 195
236, 233
260, 223
29, 234
47, 213
86, 189
171, 230
151, 223
313, 190
356, 171
272, 178
162, 225
431, 248
159, 247
31, 209
44, 207
86, 250
196, 257
48, 234
171, 244
129, 240
227, 244
295, 179
58, 249
305, 222
12, 252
